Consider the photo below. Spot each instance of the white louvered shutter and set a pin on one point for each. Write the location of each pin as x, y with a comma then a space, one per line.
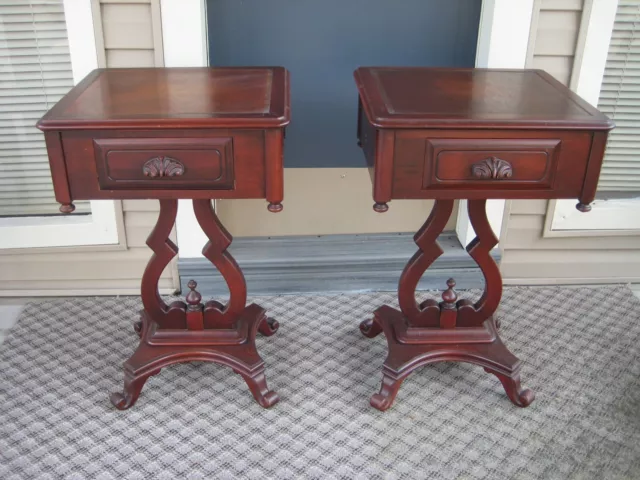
620, 101
35, 72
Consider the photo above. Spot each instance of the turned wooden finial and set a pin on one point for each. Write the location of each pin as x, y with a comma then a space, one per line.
67, 208
449, 296
193, 297
448, 307
195, 309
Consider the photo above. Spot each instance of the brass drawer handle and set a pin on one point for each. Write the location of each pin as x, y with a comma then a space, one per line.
162, 167
492, 168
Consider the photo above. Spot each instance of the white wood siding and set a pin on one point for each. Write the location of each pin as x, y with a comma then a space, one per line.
529, 257
128, 34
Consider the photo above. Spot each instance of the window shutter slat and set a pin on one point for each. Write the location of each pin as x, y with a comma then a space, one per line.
35, 74
620, 100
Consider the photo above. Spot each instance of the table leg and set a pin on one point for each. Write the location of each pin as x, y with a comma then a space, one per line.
184, 332
449, 330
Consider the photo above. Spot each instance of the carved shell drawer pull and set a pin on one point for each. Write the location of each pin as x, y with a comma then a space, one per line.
162, 167
492, 168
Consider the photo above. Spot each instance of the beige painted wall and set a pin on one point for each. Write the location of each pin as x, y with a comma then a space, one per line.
529, 257
128, 34
319, 201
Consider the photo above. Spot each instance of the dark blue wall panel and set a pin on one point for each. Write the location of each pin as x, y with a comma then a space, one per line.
322, 42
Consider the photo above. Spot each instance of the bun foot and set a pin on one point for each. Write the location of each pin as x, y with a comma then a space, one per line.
370, 328
268, 326
583, 207
258, 386
67, 208
521, 397
275, 207
380, 207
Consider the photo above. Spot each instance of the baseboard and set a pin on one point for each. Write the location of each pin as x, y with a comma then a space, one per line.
332, 263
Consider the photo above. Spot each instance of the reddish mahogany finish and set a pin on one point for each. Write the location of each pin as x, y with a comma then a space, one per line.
424, 129
198, 133
470, 134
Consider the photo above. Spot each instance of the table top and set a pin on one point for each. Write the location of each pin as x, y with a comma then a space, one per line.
417, 97
228, 97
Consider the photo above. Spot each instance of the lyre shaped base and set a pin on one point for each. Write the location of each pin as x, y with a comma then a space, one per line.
450, 330
193, 331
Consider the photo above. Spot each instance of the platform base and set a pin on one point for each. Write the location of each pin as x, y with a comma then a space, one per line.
403, 358
233, 347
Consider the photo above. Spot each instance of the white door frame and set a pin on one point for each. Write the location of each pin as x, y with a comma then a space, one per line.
503, 39
607, 217
184, 39
104, 225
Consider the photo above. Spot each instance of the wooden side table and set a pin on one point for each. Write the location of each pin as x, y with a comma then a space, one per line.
169, 134
473, 134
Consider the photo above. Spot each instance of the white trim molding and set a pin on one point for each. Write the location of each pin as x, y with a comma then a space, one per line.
503, 40
503, 37
184, 33
101, 226
184, 39
615, 217
607, 217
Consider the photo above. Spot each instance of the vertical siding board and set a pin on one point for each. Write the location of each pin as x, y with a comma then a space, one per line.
156, 25
97, 270
529, 257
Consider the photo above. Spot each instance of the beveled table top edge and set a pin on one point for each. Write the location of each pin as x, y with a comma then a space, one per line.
595, 121
55, 120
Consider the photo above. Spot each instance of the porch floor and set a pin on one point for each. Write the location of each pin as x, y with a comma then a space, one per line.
581, 354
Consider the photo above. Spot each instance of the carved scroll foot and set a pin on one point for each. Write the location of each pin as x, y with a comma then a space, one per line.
132, 388
268, 326
370, 328
388, 391
257, 383
521, 397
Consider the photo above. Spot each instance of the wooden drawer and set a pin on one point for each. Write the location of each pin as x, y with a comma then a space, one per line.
507, 163
484, 163
165, 163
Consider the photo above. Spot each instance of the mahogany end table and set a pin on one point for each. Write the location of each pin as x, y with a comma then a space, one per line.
446, 134
169, 134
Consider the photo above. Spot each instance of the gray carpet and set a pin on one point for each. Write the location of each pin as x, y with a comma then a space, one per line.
581, 350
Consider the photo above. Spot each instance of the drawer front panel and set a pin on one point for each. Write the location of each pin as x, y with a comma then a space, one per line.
165, 163
503, 163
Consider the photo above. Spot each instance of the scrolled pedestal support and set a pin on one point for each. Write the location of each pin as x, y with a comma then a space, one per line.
193, 331
449, 330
